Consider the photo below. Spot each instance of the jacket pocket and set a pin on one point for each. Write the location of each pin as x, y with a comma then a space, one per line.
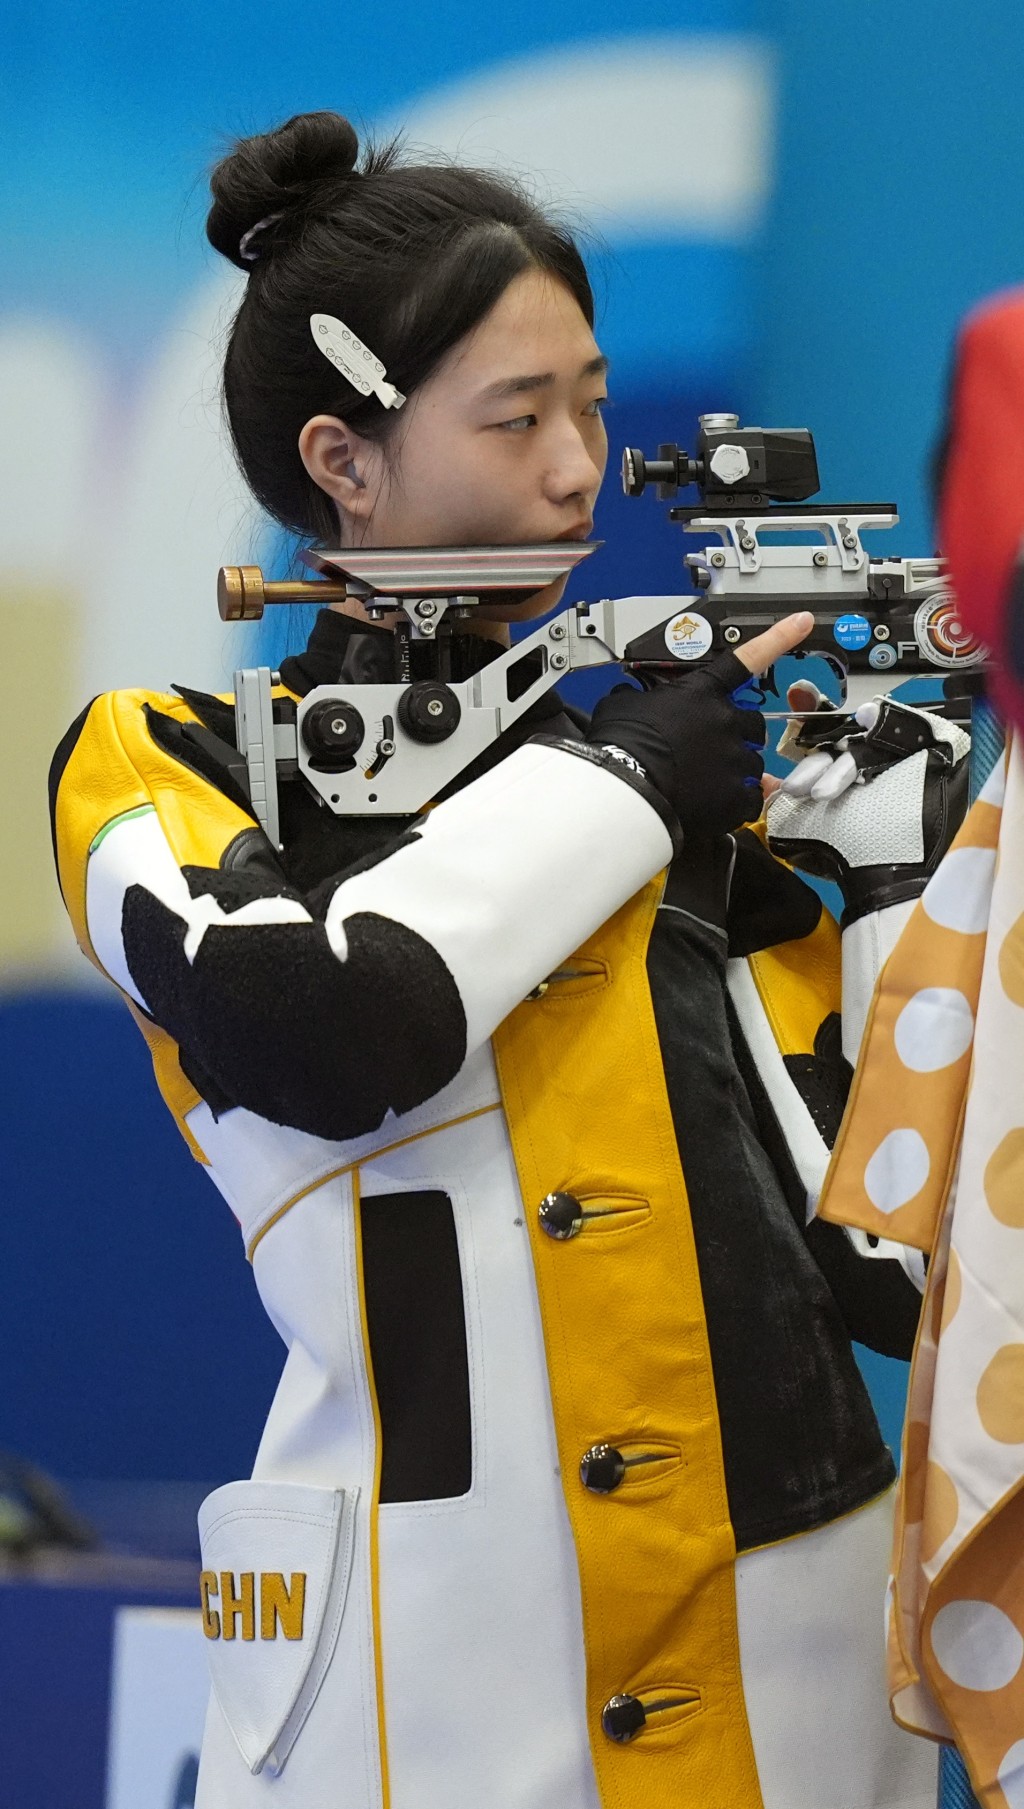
277, 1559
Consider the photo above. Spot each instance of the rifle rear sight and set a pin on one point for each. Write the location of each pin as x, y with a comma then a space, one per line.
734, 467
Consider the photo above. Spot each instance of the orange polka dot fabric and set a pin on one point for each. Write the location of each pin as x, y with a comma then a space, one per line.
893, 1161
932, 1154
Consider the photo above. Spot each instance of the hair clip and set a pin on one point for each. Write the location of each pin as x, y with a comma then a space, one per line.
353, 359
246, 239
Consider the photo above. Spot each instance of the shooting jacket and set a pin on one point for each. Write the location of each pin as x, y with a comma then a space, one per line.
519, 1125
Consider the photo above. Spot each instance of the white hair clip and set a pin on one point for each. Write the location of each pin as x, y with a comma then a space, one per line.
353, 359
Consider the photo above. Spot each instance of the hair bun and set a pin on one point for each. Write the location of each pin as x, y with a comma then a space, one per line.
273, 172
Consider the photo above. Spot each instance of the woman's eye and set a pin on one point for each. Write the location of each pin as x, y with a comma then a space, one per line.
520, 422
595, 407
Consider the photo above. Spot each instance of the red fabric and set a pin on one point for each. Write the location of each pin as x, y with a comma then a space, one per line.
981, 507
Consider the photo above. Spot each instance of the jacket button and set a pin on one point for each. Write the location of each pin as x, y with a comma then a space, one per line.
602, 1468
622, 1718
560, 1215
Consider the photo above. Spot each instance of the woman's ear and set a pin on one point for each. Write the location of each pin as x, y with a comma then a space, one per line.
342, 464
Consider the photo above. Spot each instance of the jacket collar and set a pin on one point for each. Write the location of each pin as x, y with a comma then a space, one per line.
343, 650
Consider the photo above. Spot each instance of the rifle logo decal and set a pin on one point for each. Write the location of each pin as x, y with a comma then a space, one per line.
689, 636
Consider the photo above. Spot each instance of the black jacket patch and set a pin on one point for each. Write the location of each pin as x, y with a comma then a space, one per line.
287, 1030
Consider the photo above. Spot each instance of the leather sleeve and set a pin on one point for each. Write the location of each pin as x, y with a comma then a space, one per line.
324, 1010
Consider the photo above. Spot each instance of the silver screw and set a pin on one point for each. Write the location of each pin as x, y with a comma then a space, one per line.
426, 608
558, 660
435, 707
882, 631
385, 749
718, 559
820, 557
849, 541
557, 631
338, 725
732, 635
427, 627
747, 543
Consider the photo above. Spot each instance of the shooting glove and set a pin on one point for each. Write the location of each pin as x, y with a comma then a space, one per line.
875, 800
692, 742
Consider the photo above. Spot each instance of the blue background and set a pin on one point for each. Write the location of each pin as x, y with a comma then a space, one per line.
133, 1343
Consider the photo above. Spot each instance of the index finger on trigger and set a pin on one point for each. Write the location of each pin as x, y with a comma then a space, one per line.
760, 653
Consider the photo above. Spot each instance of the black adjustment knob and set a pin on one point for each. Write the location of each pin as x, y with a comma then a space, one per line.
560, 1215
333, 729
429, 711
602, 1468
622, 1718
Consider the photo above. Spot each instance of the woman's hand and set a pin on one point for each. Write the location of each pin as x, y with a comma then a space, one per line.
874, 800
693, 741
832, 750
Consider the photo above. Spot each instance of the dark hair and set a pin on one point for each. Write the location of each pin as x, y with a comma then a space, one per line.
411, 256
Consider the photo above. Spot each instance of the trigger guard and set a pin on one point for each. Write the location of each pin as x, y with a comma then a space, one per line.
835, 665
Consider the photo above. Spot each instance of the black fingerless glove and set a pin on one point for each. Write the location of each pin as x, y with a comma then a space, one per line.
697, 747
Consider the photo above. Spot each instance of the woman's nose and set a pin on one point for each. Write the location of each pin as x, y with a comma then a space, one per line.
574, 470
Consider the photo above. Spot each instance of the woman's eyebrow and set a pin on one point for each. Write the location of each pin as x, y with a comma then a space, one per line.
517, 386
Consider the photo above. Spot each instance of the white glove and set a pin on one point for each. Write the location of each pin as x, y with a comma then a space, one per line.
833, 751
875, 801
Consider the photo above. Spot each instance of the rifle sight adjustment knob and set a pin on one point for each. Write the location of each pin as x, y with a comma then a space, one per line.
333, 729
669, 470
429, 711
634, 471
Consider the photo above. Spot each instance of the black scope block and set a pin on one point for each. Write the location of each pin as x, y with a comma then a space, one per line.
781, 462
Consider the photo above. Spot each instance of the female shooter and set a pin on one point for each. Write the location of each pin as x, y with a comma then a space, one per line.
571, 1493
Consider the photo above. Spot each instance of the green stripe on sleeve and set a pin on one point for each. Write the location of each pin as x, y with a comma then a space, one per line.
141, 810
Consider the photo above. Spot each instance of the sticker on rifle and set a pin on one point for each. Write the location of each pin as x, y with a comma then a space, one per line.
689, 636
852, 632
